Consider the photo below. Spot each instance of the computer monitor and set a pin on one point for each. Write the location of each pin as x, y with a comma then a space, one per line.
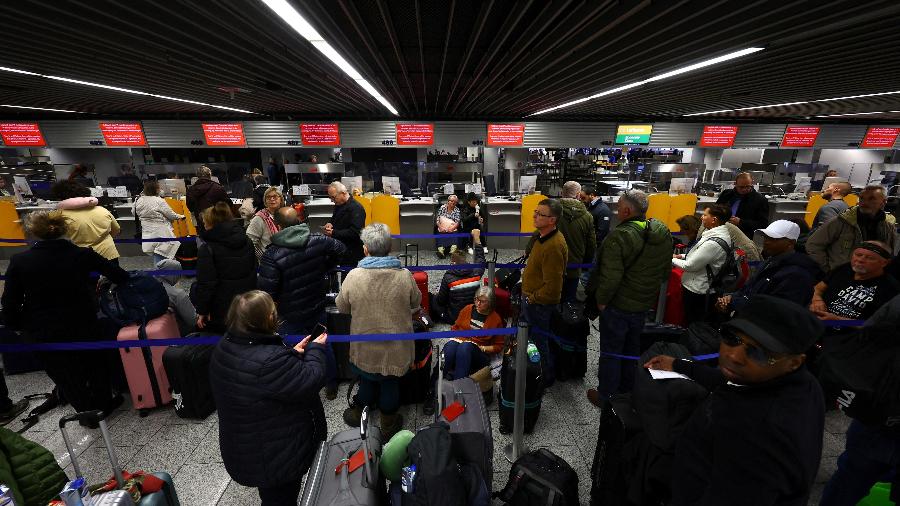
172, 187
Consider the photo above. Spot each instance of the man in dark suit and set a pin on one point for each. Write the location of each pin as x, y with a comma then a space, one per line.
749, 209
347, 220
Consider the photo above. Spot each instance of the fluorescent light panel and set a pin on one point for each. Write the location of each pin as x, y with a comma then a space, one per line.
39, 108
293, 18
123, 90
659, 77
849, 97
856, 114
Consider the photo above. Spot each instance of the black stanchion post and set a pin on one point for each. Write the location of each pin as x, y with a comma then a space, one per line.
517, 448
492, 269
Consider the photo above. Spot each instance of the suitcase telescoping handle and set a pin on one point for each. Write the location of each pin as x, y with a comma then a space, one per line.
440, 380
92, 418
363, 434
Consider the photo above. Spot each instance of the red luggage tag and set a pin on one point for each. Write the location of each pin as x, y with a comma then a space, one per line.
356, 461
453, 411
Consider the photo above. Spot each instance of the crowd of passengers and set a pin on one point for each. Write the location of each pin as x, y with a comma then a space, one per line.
756, 439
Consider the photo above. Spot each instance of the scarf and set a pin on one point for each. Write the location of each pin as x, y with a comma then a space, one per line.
387, 262
267, 218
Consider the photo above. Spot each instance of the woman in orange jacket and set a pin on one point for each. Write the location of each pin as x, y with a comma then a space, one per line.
465, 355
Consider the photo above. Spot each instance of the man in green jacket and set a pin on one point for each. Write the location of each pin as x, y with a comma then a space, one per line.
29, 469
634, 260
577, 226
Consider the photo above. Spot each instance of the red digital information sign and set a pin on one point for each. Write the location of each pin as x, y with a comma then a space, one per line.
880, 137
505, 134
224, 134
415, 134
718, 136
22, 134
800, 137
320, 134
123, 134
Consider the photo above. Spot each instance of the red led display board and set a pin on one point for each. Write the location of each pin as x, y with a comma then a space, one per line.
505, 134
320, 134
415, 134
123, 134
224, 134
800, 137
22, 134
880, 137
718, 136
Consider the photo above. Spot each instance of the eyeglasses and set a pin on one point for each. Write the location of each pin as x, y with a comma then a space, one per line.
755, 353
541, 214
743, 186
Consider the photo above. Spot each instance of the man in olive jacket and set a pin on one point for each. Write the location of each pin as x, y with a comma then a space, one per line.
634, 260
577, 226
29, 470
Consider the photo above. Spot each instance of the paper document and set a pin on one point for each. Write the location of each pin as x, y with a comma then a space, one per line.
661, 375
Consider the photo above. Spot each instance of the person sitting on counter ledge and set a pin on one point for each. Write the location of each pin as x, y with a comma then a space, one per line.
749, 209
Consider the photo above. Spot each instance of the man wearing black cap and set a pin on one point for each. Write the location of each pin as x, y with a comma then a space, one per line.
854, 291
757, 439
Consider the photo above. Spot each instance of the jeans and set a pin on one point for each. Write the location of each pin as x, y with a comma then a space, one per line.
539, 315
376, 389
288, 328
281, 495
157, 258
620, 333
870, 456
569, 290
464, 358
446, 242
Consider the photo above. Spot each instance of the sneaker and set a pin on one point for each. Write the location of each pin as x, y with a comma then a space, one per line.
331, 392
453, 249
13, 412
471, 251
485, 250
440, 252
593, 397
353, 416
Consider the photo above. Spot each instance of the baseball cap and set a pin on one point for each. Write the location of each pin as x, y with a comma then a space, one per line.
778, 325
781, 229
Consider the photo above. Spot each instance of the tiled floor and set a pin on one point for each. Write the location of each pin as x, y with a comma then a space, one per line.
189, 450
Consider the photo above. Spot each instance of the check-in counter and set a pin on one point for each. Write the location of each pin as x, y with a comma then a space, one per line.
780, 208
503, 215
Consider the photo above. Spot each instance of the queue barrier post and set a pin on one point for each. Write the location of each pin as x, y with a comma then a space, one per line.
517, 448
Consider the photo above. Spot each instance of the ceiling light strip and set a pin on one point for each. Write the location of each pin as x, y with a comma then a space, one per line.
40, 108
849, 97
296, 21
658, 77
122, 90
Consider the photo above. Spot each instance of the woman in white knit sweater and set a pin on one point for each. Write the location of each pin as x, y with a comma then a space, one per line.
156, 222
706, 257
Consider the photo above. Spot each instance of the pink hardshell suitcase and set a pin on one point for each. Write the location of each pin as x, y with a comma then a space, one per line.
144, 369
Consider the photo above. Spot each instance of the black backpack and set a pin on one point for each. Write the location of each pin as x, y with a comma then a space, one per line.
860, 372
728, 277
540, 478
701, 338
440, 480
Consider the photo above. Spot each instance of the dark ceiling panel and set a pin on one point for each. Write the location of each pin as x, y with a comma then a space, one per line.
454, 59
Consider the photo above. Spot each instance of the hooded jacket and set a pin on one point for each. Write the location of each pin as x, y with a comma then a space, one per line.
29, 469
205, 193
271, 419
292, 270
707, 252
226, 266
831, 244
602, 219
633, 261
790, 276
577, 227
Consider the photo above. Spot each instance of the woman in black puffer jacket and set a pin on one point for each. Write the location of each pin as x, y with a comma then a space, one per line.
226, 266
271, 419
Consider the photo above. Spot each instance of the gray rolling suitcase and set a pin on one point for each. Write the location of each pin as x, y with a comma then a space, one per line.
470, 432
363, 487
166, 496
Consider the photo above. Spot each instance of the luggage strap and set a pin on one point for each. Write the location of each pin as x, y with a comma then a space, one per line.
50, 401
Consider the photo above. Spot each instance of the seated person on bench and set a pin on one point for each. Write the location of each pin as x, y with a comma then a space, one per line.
465, 355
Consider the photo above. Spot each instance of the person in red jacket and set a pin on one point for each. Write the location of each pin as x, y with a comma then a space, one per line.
465, 355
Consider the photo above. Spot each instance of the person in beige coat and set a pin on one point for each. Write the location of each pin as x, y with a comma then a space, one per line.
381, 296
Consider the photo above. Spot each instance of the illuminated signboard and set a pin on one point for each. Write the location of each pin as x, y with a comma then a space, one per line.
415, 134
505, 134
320, 134
22, 134
634, 134
718, 136
880, 137
123, 134
800, 137
224, 134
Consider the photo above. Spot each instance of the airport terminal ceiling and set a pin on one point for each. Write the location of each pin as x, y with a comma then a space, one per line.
453, 59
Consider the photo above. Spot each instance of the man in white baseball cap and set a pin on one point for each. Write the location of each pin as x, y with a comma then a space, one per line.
785, 273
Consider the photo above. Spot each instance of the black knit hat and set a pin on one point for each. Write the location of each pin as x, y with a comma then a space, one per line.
778, 325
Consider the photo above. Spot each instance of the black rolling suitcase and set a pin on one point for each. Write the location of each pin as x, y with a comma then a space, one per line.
328, 485
470, 432
618, 424
534, 391
187, 368
570, 353
339, 324
416, 383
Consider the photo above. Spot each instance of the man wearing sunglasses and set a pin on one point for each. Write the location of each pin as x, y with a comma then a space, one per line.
757, 439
